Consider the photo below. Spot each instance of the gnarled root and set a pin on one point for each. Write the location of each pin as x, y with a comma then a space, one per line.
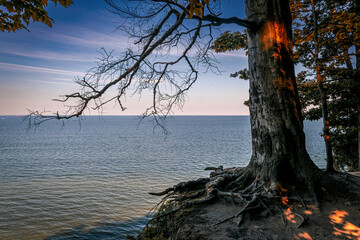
256, 198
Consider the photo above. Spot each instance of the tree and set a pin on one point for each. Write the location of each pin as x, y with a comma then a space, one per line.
323, 95
16, 14
279, 161
279, 157
279, 153
324, 37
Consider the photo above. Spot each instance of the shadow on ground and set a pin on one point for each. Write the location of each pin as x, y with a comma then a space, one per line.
104, 231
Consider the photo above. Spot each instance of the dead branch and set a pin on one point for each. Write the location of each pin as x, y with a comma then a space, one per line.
152, 65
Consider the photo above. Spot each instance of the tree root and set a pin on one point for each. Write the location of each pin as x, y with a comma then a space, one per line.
184, 186
229, 184
183, 206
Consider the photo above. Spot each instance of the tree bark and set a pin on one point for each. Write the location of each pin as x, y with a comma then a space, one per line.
278, 141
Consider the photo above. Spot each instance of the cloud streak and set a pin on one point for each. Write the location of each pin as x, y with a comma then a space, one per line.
52, 82
239, 54
26, 68
49, 55
86, 37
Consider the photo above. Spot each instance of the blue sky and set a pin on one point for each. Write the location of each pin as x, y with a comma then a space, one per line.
40, 65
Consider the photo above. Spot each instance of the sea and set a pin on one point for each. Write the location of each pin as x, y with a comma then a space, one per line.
90, 178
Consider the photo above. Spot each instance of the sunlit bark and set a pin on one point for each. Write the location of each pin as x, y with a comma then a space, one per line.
278, 141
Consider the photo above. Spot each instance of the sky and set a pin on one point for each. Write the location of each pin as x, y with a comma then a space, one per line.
41, 65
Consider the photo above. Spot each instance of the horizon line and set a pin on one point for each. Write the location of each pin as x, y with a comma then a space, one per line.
131, 115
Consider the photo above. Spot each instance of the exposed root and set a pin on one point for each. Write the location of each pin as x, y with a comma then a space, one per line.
166, 191
184, 205
256, 199
184, 186
230, 194
246, 207
247, 204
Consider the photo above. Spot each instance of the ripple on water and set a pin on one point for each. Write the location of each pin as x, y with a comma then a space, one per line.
66, 183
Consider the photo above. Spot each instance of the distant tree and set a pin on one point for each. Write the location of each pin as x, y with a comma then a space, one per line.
17, 14
325, 32
317, 67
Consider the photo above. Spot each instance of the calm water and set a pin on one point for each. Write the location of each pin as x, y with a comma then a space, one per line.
90, 180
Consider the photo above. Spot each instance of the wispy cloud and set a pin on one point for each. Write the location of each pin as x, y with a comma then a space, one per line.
63, 79
18, 67
239, 54
48, 55
86, 37
51, 82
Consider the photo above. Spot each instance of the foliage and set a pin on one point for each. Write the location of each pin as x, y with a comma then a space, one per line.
230, 41
338, 32
242, 74
197, 7
17, 14
342, 113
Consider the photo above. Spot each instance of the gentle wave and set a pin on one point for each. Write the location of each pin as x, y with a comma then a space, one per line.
92, 182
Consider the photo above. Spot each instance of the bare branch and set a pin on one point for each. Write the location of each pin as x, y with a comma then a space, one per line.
154, 66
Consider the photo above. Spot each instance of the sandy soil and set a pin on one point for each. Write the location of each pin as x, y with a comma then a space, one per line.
336, 217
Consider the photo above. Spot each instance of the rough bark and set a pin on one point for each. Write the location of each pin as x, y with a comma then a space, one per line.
278, 141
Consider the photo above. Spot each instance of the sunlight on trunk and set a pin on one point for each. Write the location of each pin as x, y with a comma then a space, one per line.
275, 34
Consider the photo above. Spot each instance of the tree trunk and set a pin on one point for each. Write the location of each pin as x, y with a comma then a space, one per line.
358, 128
278, 141
326, 123
323, 97
358, 94
357, 50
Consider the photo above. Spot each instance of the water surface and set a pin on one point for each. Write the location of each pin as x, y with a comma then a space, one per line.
89, 180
